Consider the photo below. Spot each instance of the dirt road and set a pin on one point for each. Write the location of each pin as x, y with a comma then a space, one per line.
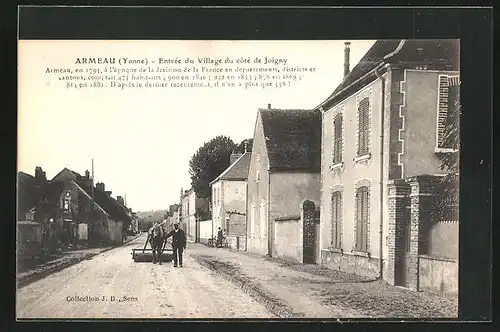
111, 285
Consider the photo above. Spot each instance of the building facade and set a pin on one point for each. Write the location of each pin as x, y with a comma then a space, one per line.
192, 208
229, 195
384, 123
284, 172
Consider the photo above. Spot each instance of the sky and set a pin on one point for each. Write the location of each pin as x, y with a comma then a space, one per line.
141, 139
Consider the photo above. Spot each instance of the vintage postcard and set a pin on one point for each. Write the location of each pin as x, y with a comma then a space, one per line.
238, 179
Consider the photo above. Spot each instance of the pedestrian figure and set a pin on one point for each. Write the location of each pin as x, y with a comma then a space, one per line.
156, 239
219, 238
178, 243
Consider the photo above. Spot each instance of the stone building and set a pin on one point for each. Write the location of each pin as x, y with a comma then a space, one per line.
284, 172
229, 200
382, 130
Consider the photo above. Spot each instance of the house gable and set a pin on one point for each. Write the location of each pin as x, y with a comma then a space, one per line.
293, 139
65, 175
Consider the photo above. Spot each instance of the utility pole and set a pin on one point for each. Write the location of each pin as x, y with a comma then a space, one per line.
92, 202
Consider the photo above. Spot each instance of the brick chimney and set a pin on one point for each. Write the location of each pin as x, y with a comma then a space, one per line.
100, 186
108, 192
87, 174
234, 157
268, 106
120, 200
347, 51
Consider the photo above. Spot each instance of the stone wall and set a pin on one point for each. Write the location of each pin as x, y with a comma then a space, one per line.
350, 263
417, 240
438, 275
288, 239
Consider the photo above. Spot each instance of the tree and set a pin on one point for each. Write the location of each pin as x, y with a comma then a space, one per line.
208, 162
241, 146
450, 161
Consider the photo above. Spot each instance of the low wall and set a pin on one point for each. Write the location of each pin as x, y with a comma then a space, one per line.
115, 231
236, 242
205, 231
438, 275
29, 239
288, 239
350, 263
443, 240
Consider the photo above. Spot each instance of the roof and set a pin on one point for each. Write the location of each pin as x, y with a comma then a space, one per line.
106, 202
21, 174
237, 171
293, 139
440, 54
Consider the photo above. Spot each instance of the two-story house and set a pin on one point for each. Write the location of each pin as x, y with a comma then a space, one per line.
284, 172
229, 201
192, 208
382, 128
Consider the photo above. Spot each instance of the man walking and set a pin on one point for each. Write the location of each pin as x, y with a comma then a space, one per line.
156, 238
219, 238
178, 243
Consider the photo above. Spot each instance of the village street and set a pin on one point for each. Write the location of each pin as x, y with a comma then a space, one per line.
141, 290
217, 283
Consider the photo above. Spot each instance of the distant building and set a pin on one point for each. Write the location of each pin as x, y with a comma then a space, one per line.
229, 191
192, 208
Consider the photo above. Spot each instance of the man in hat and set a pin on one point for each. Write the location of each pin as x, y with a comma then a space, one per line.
156, 239
178, 243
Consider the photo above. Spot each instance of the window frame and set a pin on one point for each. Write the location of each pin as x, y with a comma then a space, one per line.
336, 220
364, 124
362, 218
445, 81
338, 141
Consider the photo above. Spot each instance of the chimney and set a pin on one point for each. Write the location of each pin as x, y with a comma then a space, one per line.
268, 106
120, 200
87, 174
100, 186
234, 157
347, 50
108, 192
246, 146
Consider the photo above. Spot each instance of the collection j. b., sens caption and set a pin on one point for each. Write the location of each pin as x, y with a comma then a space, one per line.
201, 72
103, 298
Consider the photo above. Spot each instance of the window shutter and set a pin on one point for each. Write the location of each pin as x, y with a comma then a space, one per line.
365, 219
363, 119
337, 139
359, 229
442, 108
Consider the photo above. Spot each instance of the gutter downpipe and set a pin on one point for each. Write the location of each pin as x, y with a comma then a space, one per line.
382, 123
269, 231
381, 183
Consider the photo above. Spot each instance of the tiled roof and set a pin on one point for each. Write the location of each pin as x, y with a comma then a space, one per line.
293, 139
106, 202
237, 170
440, 54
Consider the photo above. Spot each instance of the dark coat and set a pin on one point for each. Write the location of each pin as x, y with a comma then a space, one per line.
178, 238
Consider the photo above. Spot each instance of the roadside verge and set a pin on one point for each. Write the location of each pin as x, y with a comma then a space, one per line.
272, 304
72, 258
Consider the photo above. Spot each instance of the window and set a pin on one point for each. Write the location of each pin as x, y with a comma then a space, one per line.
362, 200
337, 139
262, 220
252, 220
363, 126
336, 241
66, 205
448, 102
